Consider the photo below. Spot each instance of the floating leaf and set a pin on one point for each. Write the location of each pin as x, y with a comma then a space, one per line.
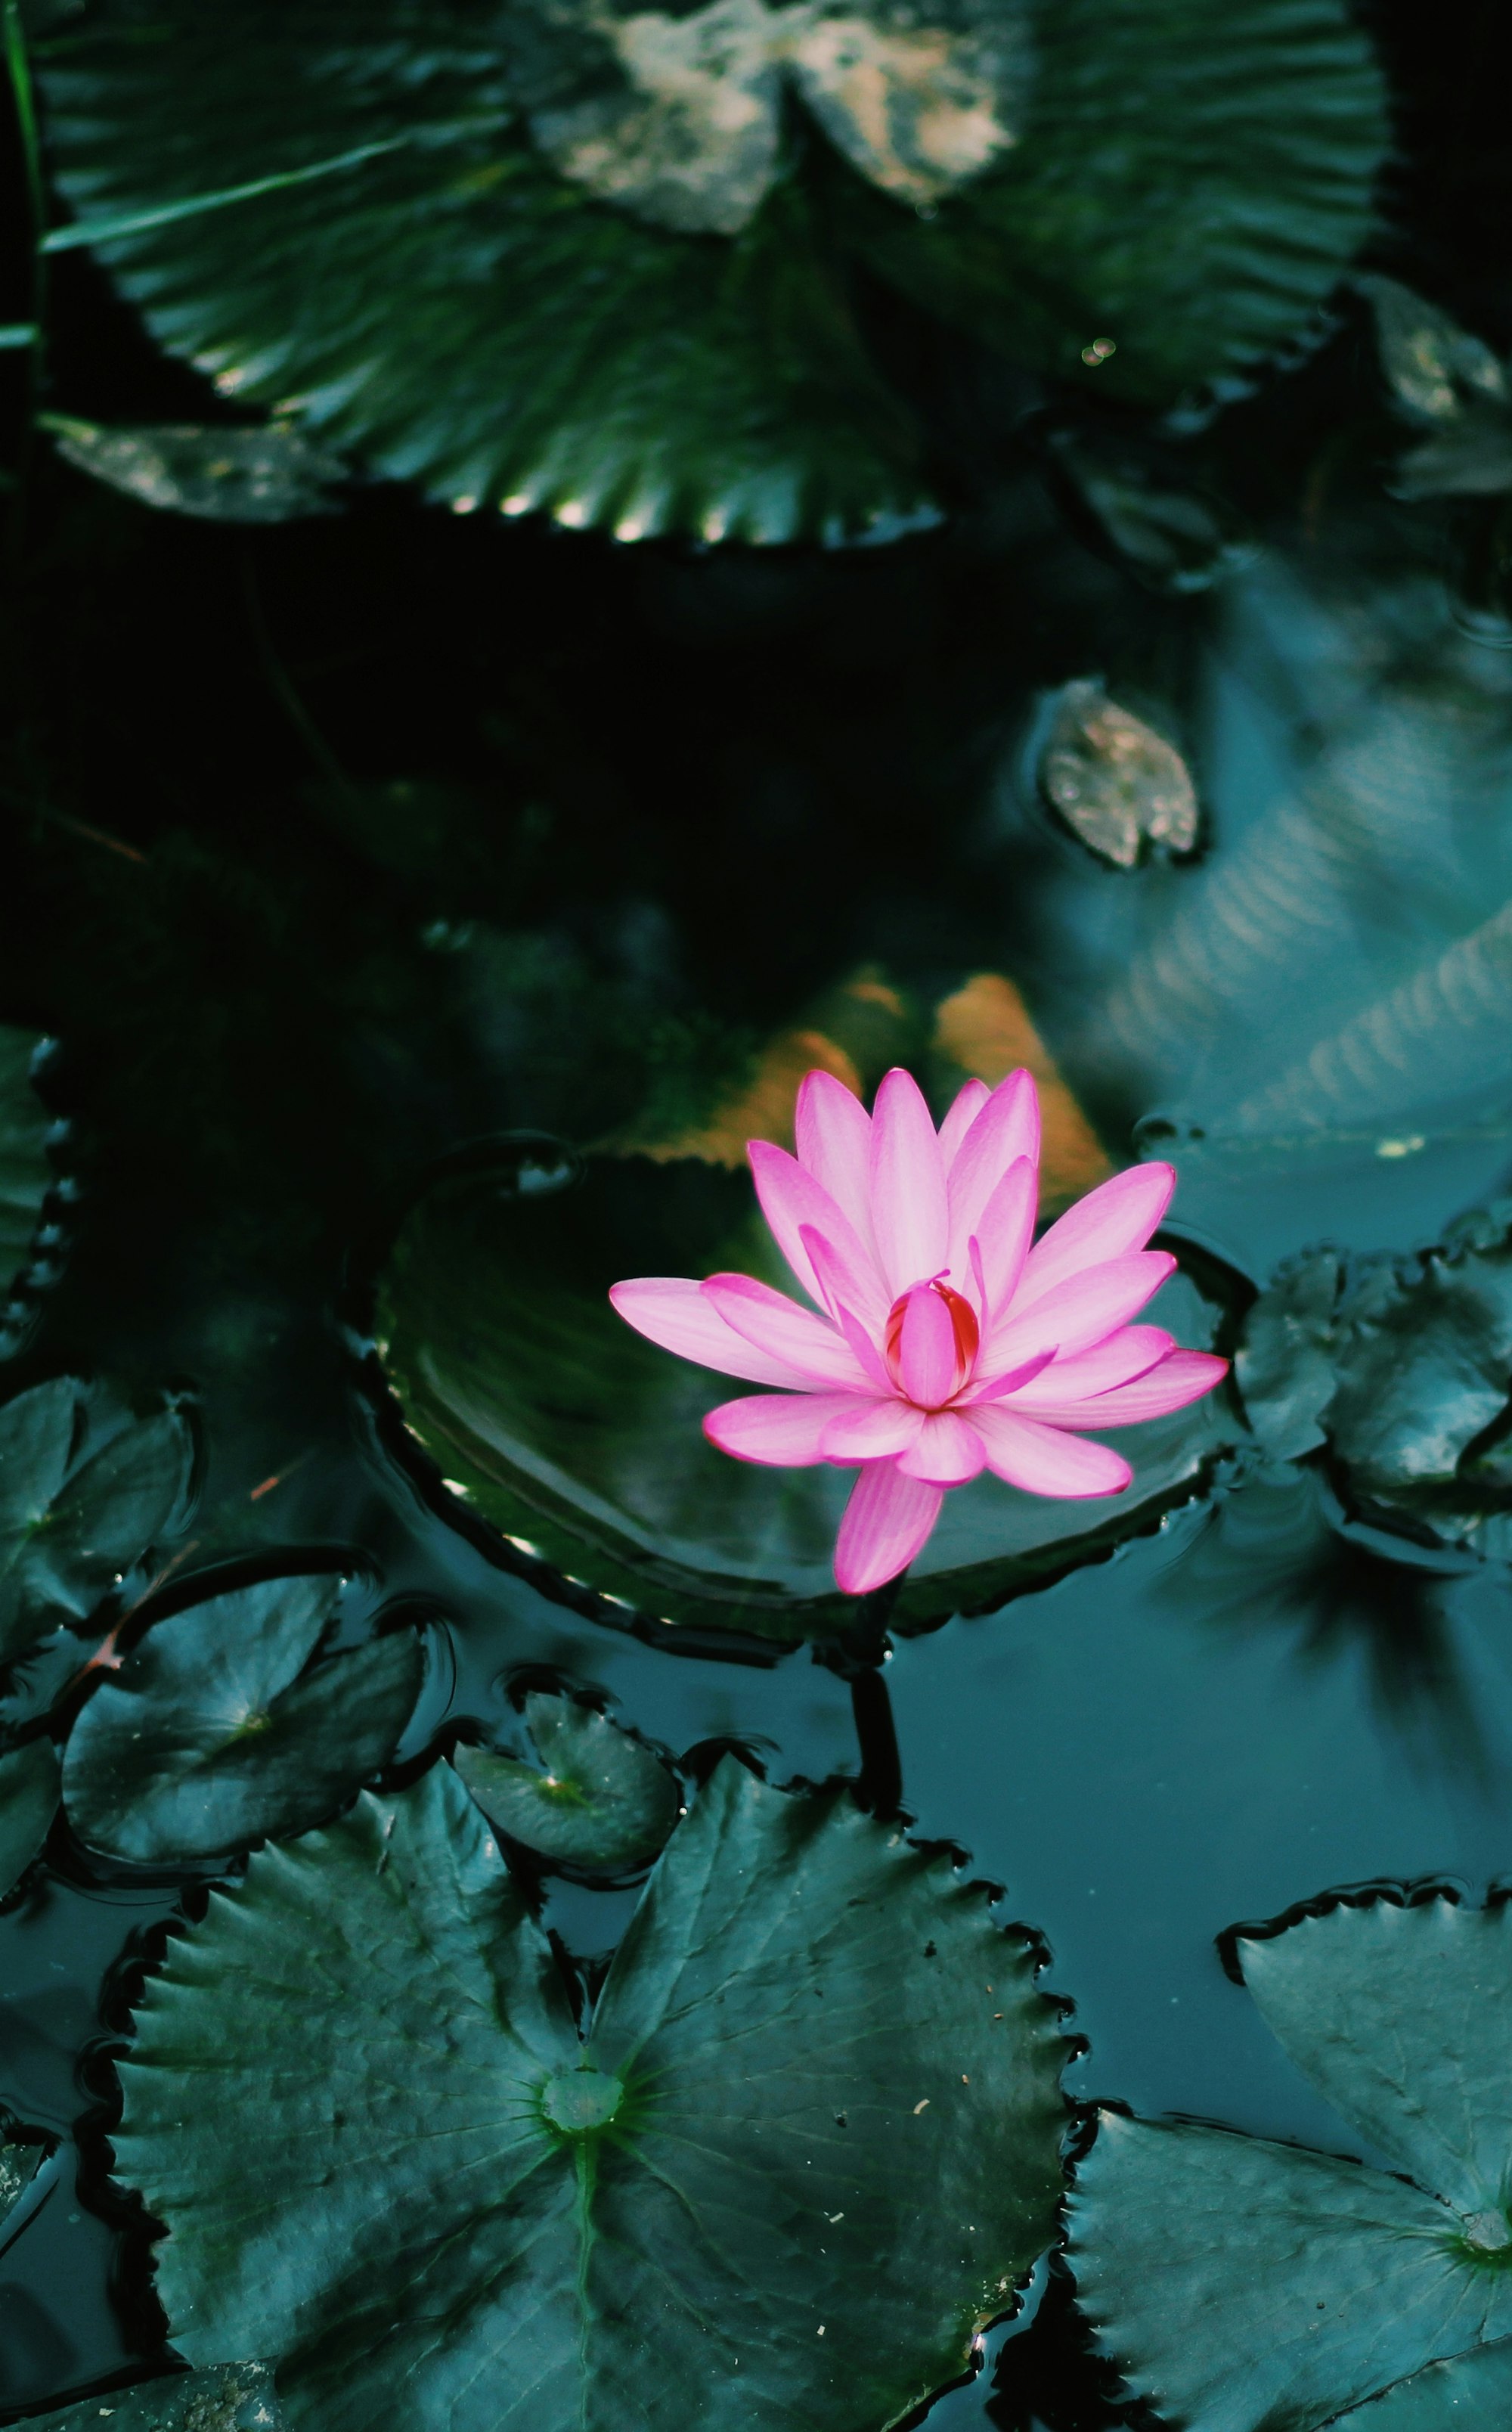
26, 1171
85, 1491
1442, 376
1115, 783
218, 1729
597, 1800
568, 1432
801, 2154
19, 2164
1398, 1365
28, 1801
1242, 2284
222, 2398
226, 475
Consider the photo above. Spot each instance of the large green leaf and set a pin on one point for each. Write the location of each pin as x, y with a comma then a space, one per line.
219, 1729
28, 1801
597, 1799
224, 2398
1191, 183
450, 307
86, 1490
1241, 2283
562, 1428
26, 1172
806, 2148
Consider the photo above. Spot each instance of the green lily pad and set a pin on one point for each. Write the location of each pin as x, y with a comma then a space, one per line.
1398, 1366
1191, 187
85, 1491
561, 1429
26, 1169
801, 2154
226, 475
29, 1778
224, 2398
597, 1800
219, 1730
1242, 2284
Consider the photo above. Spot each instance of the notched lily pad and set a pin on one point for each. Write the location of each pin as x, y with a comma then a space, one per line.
85, 1491
226, 475
597, 1799
1115, 783
222, 2398
1400, 1366
29, 1779
806, 2146
1242, 2284
220, 1729
555, 1425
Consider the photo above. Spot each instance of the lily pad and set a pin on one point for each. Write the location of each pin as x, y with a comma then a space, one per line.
26, 1169
802, 2153
556, 1426
1444, 378
29, 1778
597, 1800
222, 2398
226, 475
1114, 782
1397, 1366
85, 1491
1242, 2284
219, 1730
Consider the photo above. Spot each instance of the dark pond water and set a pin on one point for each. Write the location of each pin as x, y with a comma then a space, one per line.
346, 852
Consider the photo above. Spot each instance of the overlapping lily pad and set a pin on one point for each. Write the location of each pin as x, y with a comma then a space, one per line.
26, 1169
220, 1729
561, 1429
1400, 1367
805, 2148
575, 259
597, 1800
1242, 2284
29, 1779
85, 1491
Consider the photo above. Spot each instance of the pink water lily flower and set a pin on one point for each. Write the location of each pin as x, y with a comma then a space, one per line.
943, 1338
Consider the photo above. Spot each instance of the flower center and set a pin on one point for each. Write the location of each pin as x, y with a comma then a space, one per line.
963, 1328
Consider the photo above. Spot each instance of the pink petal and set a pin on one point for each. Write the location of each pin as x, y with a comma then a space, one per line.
948, 1451
832, 1131
855, 1333
1006, 1384
1117, 1217
926, 1350
887, 1520
908, 1207
1168, 1386
1042, 1461
1004, 1231
965, 1108
1073, 1315
1117, 1360
806, 1343
781, 1429
793, 1204
871, 1431
672, 1311
1006, 1129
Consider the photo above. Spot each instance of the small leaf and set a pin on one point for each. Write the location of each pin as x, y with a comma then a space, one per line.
214, 1734
226, 475
360, 2102
29, 1779
1242, 2284
26, 1169
1115, 783
19, 2164
598, 1800
222, 2398
1435, 369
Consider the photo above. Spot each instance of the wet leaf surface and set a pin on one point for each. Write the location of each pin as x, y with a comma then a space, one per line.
222, 2398
1115, 782
1241, 2283
558, 1427
596, 1799
783, 2116
220, 1729
29, 1779
18, 2168
229, 475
